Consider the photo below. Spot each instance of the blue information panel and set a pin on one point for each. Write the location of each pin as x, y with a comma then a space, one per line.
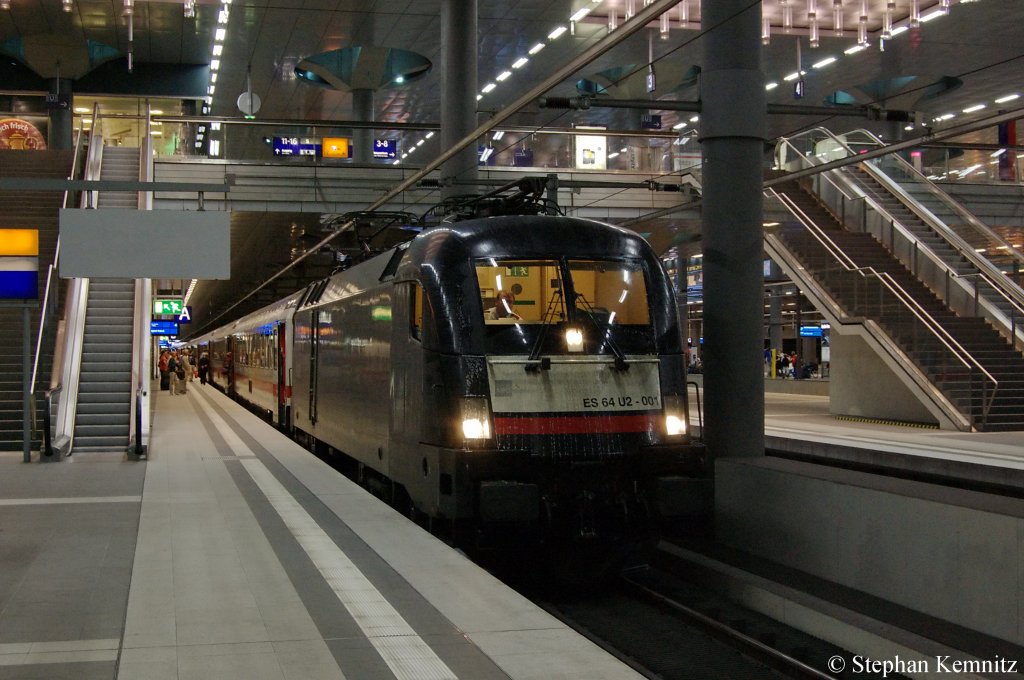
168, 328
810, 331
385, 148
296, 146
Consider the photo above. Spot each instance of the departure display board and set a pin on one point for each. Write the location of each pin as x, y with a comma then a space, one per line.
168, 328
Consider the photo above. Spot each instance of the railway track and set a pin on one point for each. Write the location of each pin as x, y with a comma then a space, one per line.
668, 629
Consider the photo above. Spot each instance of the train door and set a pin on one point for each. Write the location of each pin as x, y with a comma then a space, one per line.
283, 388
314, 359
407, 407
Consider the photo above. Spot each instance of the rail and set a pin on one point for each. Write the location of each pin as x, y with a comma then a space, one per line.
1005, 293
902, 300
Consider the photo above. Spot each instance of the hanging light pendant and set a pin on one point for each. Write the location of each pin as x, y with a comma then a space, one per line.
684, 12
129, 7
812, 22
664, 27
766, 30
915, 13
862, 24
837, 16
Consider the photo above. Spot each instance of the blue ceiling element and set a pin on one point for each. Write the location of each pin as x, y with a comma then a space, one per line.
841, 98
363, 67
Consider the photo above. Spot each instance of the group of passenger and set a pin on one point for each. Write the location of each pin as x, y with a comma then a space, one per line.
177, 370
786, 365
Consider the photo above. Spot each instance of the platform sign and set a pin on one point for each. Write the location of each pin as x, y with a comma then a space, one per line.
19, 264
810, 331
650, 121
385, 148
186, 315
166, 328
167, 306
296, 146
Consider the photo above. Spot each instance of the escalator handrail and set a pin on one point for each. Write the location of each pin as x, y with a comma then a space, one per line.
997, 282
954, 347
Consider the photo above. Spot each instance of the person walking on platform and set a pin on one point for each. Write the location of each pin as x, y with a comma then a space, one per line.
172, 371
204, 368
184, 372
165, 376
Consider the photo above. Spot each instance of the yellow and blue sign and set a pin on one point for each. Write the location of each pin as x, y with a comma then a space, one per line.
19, 264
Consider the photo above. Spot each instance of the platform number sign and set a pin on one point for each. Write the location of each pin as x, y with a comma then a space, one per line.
186, 315
385, 148
164, 306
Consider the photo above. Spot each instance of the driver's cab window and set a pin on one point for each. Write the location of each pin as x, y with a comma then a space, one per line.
520, 291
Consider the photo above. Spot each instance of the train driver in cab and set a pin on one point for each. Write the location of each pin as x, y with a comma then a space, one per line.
502, 308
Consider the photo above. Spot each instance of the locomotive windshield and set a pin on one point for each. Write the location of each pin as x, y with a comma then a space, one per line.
523, 301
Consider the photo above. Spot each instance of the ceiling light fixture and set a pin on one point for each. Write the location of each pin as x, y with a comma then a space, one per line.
579, 14
976, 107
129, 7
1007, 98
664, 27
218, 49
189, 9
824, 62
613, 19
520, 62
219, 35
488, 87
684, 12
837, 17
68, 5
222, 16
771, 86
429, 135
557, 33
5, 4
504, 75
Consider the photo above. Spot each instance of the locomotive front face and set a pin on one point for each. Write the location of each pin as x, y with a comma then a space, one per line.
585, 395
572, 359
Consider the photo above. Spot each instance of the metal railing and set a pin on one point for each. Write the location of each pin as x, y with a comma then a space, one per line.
1003, 306
877, 295
48, 313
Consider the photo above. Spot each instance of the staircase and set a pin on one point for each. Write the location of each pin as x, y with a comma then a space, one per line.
104, 389
860, 296
102, 417
27, 210
928, 237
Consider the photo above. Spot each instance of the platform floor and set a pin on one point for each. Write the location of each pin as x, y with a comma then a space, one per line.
233, 553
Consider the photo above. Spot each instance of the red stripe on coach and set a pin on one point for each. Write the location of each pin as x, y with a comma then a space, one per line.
574, 424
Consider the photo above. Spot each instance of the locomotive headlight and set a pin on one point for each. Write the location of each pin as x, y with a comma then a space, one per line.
574, 339
475, 418
675, 415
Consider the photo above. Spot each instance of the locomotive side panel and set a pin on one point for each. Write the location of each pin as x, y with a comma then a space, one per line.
343, 375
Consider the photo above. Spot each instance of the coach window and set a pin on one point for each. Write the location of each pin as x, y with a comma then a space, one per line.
417, 311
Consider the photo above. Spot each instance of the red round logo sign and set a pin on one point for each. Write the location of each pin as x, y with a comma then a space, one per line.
20, 135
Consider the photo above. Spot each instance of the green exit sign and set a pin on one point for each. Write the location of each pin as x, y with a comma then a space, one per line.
167, 306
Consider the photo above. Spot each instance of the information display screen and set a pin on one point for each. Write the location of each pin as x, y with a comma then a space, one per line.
810, 331
168, 328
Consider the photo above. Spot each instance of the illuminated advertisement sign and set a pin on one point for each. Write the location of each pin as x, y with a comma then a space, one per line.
20, 135
19, 264
385, 148
336, 147
591, 150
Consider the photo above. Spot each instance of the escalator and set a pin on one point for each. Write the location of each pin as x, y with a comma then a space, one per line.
959, 365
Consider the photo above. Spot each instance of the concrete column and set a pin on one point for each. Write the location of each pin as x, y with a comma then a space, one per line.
775, 309
61, 120
362, 140
732, 133
458, 90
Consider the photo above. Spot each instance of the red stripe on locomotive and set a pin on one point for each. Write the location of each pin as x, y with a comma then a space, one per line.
588, 424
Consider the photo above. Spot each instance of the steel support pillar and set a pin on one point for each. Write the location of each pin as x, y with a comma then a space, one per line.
458, 90
362, 139
732, 129
60, 119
